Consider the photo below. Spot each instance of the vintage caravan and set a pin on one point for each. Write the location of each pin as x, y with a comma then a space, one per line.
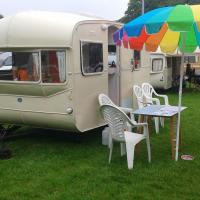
60, 63
165, 68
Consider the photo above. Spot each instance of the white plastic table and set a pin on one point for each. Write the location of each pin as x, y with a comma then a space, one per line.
162, 111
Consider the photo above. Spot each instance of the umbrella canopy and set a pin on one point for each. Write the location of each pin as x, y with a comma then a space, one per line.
164, 28
169, 28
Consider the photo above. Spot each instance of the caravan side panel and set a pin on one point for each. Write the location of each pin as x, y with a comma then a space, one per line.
130, 77
126, 77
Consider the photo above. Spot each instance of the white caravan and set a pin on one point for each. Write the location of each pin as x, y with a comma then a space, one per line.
59, 67
165, 69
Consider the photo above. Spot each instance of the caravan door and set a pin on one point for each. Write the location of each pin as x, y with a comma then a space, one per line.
120, 75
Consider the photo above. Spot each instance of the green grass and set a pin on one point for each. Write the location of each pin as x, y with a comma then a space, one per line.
54, 166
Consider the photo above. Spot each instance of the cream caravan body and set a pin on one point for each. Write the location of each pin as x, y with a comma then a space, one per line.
60, 88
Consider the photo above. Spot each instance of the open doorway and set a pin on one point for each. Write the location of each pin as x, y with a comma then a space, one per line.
113, 67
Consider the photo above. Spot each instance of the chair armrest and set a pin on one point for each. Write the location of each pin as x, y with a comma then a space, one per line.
165, 97
141, 124
156, 100
126, 110
136, 124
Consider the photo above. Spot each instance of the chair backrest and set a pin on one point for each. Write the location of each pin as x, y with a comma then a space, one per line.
147, 90
104, 99
137, 90
116, 119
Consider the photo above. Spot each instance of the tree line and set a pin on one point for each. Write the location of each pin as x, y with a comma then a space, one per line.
134, 7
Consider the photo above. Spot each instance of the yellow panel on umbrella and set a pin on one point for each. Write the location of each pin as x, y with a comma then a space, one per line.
170, 41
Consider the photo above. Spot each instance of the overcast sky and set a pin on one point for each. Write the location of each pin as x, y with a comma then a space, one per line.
108, 9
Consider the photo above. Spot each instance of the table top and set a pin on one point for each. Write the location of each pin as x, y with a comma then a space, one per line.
158, 110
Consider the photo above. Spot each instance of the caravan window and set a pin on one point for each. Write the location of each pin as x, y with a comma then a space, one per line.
91, 57
112, 55
190, 59
53, 66
157, 65
19, 66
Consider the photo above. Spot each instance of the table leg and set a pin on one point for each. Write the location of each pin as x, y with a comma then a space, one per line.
172, 140
149, 121
140, 120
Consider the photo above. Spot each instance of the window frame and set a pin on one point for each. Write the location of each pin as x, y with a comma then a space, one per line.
40, 67
152, 65
81, 58
66, 72
26, 82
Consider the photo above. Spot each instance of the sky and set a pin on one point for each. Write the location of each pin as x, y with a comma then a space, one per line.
108, 9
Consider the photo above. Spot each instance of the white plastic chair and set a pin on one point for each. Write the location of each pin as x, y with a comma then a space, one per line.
137, 90
117, 121
149, 94
104, 99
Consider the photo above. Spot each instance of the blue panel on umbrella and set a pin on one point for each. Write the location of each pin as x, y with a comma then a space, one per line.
154, 24
134, 27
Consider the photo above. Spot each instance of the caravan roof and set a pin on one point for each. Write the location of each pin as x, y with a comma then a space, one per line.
39, 29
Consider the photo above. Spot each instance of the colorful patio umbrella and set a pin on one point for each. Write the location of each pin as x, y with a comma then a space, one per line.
171, 29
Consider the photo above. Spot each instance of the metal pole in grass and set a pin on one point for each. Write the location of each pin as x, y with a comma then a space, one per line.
180, 96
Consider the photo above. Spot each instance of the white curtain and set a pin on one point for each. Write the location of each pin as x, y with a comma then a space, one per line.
36, 65
61, 65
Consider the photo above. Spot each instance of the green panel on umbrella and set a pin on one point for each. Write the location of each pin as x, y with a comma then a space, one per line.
180, 18
190, 43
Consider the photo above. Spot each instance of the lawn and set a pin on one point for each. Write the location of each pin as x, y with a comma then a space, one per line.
56, 166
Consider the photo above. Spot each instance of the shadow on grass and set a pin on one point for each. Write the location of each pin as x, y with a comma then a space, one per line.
39, 134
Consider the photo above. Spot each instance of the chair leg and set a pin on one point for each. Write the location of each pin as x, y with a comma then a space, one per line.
123, 148
146, 132
162, 121
109, 138
130, 148
156, 119
111, 149
139, 119
129, 127
148, 148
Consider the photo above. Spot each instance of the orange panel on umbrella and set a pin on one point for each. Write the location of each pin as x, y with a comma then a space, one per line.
138, 42
154, 40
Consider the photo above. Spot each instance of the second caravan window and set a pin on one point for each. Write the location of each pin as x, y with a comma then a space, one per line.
53, 66
91, 57
157, 65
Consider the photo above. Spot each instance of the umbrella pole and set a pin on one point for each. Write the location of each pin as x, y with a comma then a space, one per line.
180, 98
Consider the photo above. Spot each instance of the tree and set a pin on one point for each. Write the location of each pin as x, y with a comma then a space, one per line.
135, 6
